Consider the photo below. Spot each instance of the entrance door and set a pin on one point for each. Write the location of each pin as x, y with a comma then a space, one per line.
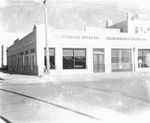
98, 61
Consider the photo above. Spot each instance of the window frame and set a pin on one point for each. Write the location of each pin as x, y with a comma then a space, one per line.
75, 59
53, 68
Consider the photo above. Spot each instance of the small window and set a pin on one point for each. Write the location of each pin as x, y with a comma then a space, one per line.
32, 50
51, 58
27, 52
121, 30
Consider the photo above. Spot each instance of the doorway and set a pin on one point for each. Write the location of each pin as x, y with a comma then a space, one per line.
98, 60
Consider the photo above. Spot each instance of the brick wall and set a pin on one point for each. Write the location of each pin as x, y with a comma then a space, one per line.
22, 56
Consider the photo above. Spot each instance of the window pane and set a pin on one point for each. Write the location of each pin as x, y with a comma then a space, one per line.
51, 52
68, 59
74, 58
113, 60
52, 62
68, 52
139, 52
136, 29
123, 53
32, 50
51, 58
98, 51
127, 53
113, 53
80, 60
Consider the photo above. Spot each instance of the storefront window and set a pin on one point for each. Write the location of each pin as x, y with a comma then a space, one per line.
143, 58
51, 57
121, 59
122, 56
74, 58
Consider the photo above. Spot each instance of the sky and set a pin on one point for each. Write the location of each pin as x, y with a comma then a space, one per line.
21, 15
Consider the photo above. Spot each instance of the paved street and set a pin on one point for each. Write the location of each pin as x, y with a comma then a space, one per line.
113, 99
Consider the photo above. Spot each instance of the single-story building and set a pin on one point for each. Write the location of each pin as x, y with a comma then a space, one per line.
79, 52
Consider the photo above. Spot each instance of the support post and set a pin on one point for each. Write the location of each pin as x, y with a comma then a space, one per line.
46, 39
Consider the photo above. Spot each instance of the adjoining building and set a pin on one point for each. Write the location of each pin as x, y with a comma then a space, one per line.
138, 23
80, 52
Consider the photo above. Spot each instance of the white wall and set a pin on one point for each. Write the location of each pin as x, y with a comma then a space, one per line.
59, 40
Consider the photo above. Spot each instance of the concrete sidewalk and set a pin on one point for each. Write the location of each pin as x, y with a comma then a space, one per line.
112, 97
17, 78
21, 79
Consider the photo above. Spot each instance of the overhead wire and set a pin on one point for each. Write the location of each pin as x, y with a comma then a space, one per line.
21, 12
16, 3
87, 9
63, 5
33, 20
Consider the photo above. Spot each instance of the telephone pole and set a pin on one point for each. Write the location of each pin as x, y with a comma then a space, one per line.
46, 39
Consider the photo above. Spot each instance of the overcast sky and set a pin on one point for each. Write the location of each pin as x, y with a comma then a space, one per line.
21, 15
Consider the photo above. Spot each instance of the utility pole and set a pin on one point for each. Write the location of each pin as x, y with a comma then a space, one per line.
46, 39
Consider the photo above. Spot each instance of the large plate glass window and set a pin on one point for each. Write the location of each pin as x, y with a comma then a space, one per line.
143, 58
121, 59
74, 58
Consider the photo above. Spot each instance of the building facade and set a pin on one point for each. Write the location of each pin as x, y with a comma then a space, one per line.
6, 40
79, 52
21, 56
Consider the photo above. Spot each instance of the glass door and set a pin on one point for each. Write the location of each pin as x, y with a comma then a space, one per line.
98, 60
